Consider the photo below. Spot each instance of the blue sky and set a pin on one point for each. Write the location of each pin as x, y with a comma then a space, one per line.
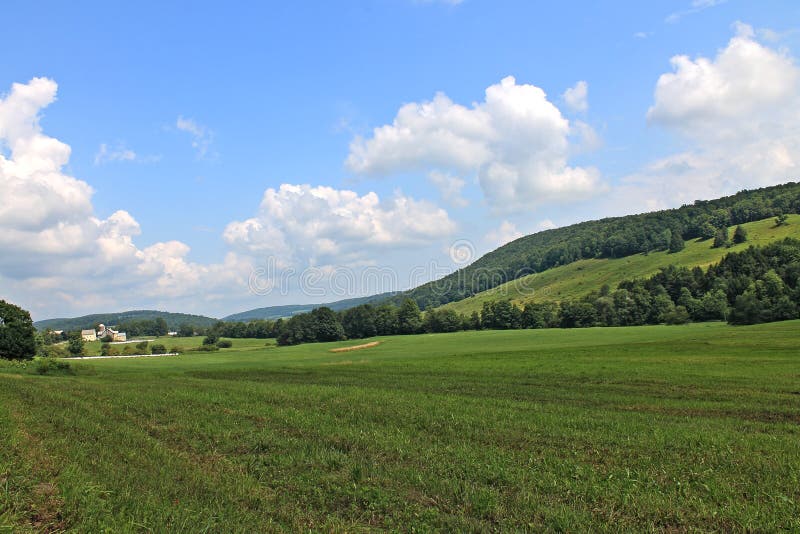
182, 116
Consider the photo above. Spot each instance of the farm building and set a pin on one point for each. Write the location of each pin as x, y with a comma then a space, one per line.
103, 331
89, 335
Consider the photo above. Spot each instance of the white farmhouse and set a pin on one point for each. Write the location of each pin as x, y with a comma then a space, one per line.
88, 335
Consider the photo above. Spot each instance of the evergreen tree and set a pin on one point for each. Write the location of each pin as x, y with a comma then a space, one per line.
676, 243
721, 238
739, 235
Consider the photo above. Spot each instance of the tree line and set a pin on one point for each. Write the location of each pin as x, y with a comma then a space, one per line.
759, 284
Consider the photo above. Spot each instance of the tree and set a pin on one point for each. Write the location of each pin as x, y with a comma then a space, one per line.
748, 309
409, 318
714, 305
678, 315
160, 327
158, 348
781, 220
211, 339
359, 322
17, 334
676, 243
721, 238
739, 235
186, 330
326, 325
75, 344
386, 322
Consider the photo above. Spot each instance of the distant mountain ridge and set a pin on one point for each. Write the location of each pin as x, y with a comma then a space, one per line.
174, 320
278, 312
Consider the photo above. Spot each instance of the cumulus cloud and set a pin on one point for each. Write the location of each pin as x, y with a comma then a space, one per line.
546, 224
450, 187
577, 97
202, 137
739, 112
304, 225
53, 247
516, 141
505, 233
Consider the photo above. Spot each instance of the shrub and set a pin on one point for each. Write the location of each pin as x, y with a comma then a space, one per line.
211, 339
142, 346
206, 348
45, 366
176, 349
679, 315
158, 348
75, 344
224, 343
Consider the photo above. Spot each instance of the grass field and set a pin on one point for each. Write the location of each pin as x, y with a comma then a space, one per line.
581, 277
647, 428
92, 348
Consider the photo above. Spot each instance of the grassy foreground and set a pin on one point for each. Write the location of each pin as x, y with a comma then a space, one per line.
582, 277
645, 428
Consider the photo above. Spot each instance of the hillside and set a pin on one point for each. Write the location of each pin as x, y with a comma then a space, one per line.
610, 238
584, 276
174, 320
277, 312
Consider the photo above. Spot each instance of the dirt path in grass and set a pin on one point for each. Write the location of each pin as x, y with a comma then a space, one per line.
357, 347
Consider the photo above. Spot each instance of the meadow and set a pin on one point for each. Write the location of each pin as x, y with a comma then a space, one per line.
579, 278
681, 428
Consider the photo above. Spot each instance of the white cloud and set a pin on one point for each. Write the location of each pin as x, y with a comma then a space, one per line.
642, 35
303, 225
577, 97
450, 187
118, 153
739, 112
506, 233
55, 251
696, 7
202, 137
516, 141
546, 224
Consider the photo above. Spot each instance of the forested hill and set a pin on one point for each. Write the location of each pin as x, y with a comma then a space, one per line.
174, 320
277, 312
614, 237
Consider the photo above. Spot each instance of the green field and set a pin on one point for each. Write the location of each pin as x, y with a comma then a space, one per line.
646, 428
581, 277
92, 348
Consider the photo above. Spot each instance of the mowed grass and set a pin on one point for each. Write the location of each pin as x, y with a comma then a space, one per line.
648, 428
581, 277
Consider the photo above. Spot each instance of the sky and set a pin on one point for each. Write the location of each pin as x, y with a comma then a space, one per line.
210, 158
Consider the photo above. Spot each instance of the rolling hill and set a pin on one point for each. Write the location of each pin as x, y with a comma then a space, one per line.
277, 312
606, 239
174, 320
584, 276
